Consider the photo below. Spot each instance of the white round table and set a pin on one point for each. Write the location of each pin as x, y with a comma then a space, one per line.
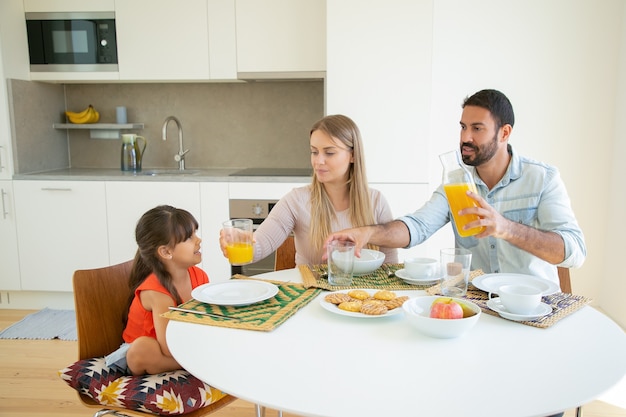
319, 363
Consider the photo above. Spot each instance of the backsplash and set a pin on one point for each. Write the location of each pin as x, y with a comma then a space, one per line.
225, 125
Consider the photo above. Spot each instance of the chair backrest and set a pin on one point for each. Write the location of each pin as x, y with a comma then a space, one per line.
564, 280
286, 255
101, 301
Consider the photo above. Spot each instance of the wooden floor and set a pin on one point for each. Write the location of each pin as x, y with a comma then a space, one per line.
30, 386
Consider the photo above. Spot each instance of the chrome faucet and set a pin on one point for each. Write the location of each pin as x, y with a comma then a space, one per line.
180, 156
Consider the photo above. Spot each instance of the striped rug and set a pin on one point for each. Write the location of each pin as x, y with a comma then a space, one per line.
45, 324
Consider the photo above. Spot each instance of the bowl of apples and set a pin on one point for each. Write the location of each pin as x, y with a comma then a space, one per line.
441, 317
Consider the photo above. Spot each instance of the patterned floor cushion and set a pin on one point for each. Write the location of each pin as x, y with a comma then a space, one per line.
168, 394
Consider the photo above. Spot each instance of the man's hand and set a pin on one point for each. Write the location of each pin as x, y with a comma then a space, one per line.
493, 222
359, 235
546, 245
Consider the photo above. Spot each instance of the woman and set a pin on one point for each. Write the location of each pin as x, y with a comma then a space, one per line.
338, 197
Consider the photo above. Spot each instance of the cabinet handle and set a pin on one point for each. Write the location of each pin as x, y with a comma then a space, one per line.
5, 213
55, 189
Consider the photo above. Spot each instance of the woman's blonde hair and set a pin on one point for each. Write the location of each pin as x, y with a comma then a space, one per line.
342, 129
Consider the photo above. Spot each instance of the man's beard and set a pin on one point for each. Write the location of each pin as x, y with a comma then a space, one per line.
482, 154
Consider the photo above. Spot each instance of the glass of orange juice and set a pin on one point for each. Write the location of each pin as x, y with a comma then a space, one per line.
238, 236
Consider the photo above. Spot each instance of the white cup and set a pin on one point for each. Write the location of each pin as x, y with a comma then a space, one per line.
120, 115
421, 268
519, 299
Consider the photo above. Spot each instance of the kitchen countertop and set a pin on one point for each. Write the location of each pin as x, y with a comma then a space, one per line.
164, 174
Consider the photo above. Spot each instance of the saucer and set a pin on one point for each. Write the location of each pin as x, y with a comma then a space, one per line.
403, 275
541, 310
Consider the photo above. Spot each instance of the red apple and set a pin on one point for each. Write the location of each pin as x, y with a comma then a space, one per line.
446, 308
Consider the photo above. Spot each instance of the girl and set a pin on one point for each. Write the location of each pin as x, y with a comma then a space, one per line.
338, 197
163, 275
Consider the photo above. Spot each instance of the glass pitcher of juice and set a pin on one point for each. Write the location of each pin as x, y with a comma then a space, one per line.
457, 180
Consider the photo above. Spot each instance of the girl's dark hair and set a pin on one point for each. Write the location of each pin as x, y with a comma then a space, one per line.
160, 226
497, 103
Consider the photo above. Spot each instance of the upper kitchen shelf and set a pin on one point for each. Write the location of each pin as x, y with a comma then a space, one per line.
100, 130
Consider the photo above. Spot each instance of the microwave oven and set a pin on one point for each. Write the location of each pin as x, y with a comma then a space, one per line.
72, 41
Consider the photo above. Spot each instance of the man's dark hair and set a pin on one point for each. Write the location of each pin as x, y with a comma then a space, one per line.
497, 103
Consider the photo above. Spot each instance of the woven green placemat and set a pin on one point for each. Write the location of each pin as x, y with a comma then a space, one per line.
562, 304
262, 316
313, 276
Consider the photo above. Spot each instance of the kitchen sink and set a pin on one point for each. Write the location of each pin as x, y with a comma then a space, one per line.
165, 172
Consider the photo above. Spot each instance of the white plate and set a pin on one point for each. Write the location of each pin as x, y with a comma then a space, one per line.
540, 311
234, 292
334, 309
491, 282
402, 274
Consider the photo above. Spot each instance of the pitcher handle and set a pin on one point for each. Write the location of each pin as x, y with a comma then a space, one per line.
145, 142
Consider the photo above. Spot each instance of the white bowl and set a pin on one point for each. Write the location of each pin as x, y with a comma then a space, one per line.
417, 312
369, 261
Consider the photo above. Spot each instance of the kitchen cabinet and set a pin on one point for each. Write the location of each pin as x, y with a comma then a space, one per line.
174, 40
13, 64
69, 6
6, 165
61, 227
214, 202
127, 201
9, 265
281, 36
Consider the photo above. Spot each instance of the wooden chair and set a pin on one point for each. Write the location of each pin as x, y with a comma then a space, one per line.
100, 299
286, 255
564, 280
566, 287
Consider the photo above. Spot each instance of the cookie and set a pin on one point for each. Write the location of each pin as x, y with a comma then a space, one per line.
384, 295
353, 306
373, 309
359, 294
396, 302
337, 298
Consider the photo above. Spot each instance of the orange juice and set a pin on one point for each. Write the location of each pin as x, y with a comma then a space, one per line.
239, 253
458, 199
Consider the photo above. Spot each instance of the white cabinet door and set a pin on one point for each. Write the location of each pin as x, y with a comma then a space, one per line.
6, 165
9, 265
127, 201
69, 5
61, 227
214, 199
165, 40
281, 35
222, 40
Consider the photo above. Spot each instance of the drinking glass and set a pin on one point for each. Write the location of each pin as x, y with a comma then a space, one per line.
340, 262
238, 236
455, 269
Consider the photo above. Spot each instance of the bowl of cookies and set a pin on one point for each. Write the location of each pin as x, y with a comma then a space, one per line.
364, 303
369, 262
441, 317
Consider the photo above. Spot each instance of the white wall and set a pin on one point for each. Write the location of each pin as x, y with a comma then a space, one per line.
613, 278
557, 61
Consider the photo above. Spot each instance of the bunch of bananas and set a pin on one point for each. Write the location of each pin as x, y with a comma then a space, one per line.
89, 115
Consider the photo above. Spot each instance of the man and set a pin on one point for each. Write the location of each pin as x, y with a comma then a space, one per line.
529, 225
